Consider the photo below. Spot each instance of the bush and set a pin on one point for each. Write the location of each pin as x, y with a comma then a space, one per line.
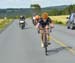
59, 22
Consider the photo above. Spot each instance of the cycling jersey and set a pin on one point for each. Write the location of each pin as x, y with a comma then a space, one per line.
43, 24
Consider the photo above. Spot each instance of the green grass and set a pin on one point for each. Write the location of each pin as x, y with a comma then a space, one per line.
4, 23
62, 19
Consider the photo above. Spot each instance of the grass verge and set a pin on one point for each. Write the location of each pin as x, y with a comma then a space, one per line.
4, 23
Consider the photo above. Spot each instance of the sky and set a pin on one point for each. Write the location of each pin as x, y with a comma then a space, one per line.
27, 3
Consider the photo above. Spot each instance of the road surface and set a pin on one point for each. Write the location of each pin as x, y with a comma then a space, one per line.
23, 46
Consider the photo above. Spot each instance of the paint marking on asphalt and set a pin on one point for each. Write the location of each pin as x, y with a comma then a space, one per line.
62, 44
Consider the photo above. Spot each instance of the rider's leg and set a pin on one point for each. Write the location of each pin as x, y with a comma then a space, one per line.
41, 35
38, 29
47, 31
50, 29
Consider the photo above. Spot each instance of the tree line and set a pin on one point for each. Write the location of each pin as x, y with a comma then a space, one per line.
66, 11
36, 9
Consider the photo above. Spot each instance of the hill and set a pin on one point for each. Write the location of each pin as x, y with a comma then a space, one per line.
25, 11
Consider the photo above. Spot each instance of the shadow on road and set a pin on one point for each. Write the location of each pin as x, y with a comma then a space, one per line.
27, 27
73, 28
57, 50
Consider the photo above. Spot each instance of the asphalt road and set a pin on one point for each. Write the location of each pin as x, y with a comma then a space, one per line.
23, 46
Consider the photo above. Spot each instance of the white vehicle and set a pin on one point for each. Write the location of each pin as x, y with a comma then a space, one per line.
71, 21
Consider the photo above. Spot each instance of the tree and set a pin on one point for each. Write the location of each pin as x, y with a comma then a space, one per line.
54, 12
73, 8
70, 9
36, 8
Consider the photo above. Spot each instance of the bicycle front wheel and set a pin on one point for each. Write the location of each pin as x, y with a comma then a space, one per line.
45, 43
46, 50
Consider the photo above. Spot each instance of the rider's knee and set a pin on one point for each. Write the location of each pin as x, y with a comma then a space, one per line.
41, 31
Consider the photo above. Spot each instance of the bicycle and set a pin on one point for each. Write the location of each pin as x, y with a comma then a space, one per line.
45, 41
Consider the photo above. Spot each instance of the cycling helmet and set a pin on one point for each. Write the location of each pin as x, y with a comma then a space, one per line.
44, 15
37, 17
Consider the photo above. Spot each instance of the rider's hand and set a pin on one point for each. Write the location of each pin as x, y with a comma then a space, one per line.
52, 25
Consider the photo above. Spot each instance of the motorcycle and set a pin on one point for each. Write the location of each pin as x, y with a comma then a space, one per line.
22, 24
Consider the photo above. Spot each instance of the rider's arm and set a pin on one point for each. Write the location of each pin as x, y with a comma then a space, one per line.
49, 19
51, 23
37, 26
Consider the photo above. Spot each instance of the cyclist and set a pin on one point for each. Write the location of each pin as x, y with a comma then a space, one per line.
44, 22
37, 17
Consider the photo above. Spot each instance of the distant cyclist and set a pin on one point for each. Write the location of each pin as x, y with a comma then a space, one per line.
36, 19
44, 22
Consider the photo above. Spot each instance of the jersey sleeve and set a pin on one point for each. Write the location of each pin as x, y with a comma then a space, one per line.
49, 19
37, 25
40, 20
